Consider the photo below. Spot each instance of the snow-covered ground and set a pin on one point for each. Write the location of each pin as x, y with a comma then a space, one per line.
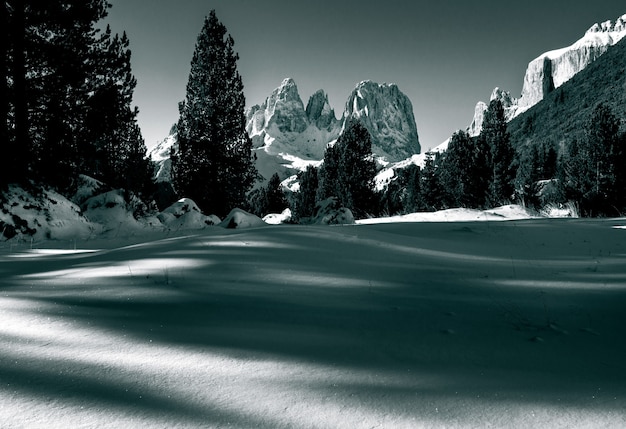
441, 324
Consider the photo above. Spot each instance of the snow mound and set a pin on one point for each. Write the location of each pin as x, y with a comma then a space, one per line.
115, 215
41, 214
278, 218
238, 219
508, 212
185, 214
330, 212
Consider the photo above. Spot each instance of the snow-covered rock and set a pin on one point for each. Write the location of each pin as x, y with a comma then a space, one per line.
41, 214
278, 218
387, 113
185, 214
330, 212
113, 214
552, 69
238, 219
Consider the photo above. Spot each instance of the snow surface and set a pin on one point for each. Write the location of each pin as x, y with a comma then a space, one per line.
469, 324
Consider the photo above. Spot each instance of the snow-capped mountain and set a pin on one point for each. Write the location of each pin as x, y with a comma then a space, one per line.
287, 137
282, 127
160, 156
552, 69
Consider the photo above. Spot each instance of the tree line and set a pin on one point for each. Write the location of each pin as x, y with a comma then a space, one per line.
486, 171
67, 100
66, 95
479, 172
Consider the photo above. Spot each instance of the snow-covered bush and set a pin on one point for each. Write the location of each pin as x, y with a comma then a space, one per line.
330, 212
238, 218
185, 214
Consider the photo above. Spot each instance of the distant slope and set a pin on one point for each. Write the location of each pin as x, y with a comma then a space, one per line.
563, 112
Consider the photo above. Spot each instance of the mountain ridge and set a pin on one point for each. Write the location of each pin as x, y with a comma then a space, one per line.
551, 69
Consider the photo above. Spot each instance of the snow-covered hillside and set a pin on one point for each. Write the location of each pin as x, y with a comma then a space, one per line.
442, 325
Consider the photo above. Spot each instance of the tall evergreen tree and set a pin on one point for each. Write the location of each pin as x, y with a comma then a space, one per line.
431, 189
413, 200
496, 136
214, 163
69, 89
592, 171
304, 199
349, 169
114, 150
535, 163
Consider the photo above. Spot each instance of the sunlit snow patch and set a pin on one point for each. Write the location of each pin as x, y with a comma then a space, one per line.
278, 218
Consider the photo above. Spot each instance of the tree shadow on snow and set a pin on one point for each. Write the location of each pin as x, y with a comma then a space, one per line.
512, 313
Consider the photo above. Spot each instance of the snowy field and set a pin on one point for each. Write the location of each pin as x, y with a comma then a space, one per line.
402, 325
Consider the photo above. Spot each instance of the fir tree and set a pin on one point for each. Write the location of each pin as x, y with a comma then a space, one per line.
114, 150
349, 169
592, 171
502, 154
304, 199
214, 164
412, 199
276, 200
68, 97
431, 189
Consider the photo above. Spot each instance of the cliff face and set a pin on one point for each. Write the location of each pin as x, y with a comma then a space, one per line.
387, 113
552, 69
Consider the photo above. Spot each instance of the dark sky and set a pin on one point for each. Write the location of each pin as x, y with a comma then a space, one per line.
445, 55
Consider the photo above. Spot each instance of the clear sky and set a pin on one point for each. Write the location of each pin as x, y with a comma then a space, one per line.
445, 55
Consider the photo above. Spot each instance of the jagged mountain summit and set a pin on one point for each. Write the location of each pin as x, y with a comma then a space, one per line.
387, 113
287, 137
552, 69
281, 125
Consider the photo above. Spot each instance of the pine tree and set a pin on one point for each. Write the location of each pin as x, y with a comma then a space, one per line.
59, 76
114, 150
412, 200
454, 171
496, 136
276, 200
463, 172
592, 171
328, 175
214, 164
431, 189
349, 169
304, 199
69, 96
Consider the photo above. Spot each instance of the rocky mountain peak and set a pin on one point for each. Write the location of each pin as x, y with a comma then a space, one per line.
609, 26
319, 112
283, 109
387, 113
